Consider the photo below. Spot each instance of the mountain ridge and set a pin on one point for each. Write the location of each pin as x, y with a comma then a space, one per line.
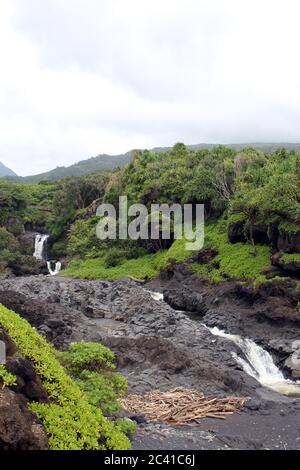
106, 162
5, 171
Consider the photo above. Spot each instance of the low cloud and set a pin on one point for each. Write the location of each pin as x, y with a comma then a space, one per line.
83, 77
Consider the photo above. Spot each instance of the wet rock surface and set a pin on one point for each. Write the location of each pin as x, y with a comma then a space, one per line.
156, 346
267, 314
159, 346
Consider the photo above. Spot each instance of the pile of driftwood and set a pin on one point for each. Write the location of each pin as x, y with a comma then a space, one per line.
181, 406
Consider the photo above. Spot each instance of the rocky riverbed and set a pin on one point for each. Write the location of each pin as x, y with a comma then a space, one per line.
160, 346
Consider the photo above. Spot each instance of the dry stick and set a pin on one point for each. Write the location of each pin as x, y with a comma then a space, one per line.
181, 406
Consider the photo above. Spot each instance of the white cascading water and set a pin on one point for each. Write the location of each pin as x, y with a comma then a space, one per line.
156, 296
56, 270
40, 252
259, 363
40, 246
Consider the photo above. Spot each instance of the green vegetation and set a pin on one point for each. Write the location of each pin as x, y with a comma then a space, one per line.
50, 207
146, 266
71, 199
267, 190
233, 261
247, 187
250, 197
245, 191
88, 356
6, 378
96, 269
21, 204
84, 167
12, 255
291, 257
92, 366
21, 207
71, 421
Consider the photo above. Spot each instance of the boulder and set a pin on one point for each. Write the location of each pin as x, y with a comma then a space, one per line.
186, 300
28, 383
28, 266
293, 364
49, 319
19, 428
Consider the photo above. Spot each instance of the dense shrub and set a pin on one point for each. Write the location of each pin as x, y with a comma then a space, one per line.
88, 356
71, 422
92, 365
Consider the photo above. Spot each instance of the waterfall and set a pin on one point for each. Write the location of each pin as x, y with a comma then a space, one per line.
156, 296
259, 364
40, 252
56, 270
40, 246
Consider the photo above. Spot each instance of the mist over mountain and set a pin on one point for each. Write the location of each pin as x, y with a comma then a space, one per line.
107, 162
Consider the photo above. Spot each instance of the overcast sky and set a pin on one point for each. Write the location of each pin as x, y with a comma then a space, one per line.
83, 77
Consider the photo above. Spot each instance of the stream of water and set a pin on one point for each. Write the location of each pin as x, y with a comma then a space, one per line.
259, 364
256, 362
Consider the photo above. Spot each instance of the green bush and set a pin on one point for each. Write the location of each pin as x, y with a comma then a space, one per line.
233, 261
88, 356
71, 422
8, 243
146, 266
291, 257
59, 249
113, 258
6, 378
92, 366
103, 389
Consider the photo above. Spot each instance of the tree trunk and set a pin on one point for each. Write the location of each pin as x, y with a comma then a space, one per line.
252, 239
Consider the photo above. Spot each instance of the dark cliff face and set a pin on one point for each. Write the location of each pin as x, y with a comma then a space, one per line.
266, 234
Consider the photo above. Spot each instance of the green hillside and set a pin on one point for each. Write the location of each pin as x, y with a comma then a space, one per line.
84, 167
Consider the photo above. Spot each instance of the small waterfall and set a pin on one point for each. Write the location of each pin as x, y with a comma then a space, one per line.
156, 296
56, 270
40, 251
259, 364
